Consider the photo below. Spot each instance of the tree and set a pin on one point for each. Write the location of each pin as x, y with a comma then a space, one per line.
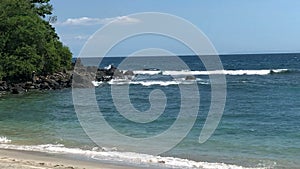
27, 42
42, 7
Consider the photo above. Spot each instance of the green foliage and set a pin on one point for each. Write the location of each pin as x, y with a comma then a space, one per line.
27, 42
42, 7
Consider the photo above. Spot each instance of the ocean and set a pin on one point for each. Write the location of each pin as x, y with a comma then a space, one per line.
259, 128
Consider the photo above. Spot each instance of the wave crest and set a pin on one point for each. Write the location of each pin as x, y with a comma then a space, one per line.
226, 72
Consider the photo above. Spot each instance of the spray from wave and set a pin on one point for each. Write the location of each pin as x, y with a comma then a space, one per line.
4, 140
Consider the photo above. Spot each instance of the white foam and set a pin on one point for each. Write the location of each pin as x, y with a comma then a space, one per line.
96, 83
129, 157
4, 140
108, 67
247, 72
160, 83
149, 83
169, 162
214, 72
119, 81
181, 76
280, 70
147, 72
225, 72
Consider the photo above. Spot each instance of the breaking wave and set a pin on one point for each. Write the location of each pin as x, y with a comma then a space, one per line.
145, 77
214, 72
4, 140
153, 82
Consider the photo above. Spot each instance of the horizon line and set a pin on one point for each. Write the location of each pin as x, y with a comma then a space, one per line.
222, 54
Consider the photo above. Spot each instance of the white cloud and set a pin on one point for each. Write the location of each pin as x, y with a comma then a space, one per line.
82, 37
86, 21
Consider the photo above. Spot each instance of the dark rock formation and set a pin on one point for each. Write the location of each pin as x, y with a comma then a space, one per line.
84, 75
80, 77
55, 81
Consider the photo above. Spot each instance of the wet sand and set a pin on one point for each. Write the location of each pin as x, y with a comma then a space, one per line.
13, 159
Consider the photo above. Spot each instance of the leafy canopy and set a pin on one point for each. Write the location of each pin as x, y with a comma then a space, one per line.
27, 42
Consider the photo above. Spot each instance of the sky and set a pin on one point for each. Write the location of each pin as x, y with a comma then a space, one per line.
232, 26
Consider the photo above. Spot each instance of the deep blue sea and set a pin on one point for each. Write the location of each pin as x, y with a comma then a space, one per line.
259, 128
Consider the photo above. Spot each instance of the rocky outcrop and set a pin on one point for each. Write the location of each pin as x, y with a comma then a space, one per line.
80, 77
55, 81
84, 75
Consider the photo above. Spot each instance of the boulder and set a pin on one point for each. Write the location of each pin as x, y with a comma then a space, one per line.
3, 86
17, 89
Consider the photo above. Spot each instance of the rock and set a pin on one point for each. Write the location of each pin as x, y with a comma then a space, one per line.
117, 74
3, 86
129, 73
55, 81
111, 72
17, 90
80, 77
2, 83
99, 75
45, 86
82, 80
28, 85
91, 69
190, 78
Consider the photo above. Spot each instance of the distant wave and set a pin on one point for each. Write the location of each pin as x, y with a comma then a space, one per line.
214, 72
147, 72
152, 82
130, 157
185, 76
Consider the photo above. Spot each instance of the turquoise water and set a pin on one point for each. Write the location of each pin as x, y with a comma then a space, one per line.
260, 126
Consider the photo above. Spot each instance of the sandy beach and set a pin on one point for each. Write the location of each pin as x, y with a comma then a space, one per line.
12, 159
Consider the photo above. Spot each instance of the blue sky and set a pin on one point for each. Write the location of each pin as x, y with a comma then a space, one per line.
233, 26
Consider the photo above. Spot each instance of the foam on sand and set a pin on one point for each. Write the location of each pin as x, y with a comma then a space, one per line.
130, 158
14, 159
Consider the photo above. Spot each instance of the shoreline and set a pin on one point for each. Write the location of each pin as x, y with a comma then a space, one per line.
19, 159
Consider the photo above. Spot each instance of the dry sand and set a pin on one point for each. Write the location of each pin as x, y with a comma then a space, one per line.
12, 159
